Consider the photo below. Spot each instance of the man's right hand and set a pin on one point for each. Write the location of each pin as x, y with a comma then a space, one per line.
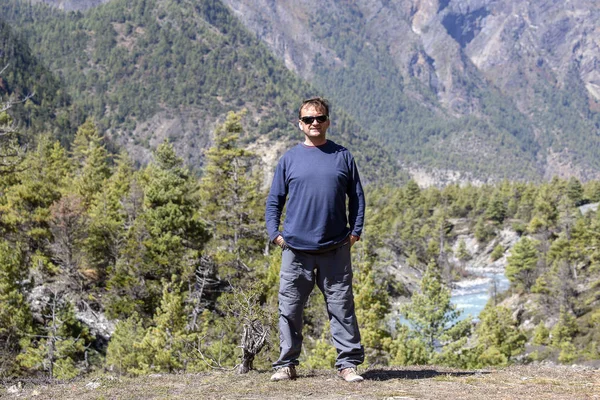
279, 241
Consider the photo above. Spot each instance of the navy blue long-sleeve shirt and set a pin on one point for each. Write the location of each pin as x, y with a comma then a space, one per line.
315, 182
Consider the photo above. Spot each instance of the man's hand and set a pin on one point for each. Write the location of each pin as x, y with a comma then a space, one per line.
353, 239
279, 241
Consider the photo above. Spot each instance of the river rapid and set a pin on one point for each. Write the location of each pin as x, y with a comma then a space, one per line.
471, 295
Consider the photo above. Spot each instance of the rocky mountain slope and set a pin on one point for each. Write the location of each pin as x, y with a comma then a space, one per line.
525, 72
156, 70
458, 90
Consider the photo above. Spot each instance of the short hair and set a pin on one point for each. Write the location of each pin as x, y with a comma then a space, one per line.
316, 102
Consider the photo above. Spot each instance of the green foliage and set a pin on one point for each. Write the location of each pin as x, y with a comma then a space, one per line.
15, 315
521, 267
166, 238
406, 349
541, 334
323, 354
462, 253
91, 160
497, 253
499, 336
232, 200
165, 346
60, 351
372, 304
430, 313
564, 330
121, 354
39, 102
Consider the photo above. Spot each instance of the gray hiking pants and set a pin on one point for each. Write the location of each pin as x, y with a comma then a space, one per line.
332, 272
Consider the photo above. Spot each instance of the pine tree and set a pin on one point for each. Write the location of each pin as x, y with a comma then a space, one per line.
163, 235
496, 210
430, 313
60, 350
91, 161
521, 266
232, 201
498, 336
109, 220
25, 206
462, 253
15, 315
372, 306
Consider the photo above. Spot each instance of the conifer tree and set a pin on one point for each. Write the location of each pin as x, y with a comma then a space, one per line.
91, 161
372, 306
521, 266
25, 206
15, 315
430, 313
496, 209
164, 240
232, 201
60, 349
109, 219
499, 337
462, 253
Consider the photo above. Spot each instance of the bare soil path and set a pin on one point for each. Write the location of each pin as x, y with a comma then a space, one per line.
516, 382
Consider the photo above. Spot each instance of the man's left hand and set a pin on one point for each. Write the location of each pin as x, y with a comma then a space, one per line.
353, 239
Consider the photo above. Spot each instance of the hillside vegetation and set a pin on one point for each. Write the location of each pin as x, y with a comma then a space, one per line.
147, 71
113, 261
480, 89
154, 271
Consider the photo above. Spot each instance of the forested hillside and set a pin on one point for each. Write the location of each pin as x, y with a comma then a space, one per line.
153, 270
462, 89
151, 70
38, 96
114, 260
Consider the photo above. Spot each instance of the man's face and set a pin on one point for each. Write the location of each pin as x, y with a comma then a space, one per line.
316, 129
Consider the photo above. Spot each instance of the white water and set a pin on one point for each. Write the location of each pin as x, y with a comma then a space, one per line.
472, 295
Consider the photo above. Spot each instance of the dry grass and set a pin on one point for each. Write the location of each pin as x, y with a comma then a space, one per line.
518, 382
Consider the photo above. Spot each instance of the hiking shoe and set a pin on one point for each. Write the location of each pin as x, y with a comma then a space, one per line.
284, 373
350, 375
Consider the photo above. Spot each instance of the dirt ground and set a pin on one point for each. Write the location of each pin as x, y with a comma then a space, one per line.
516, 382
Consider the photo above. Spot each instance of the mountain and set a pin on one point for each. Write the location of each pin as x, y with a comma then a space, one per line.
150, 70
38, 101
455, 90
469, 89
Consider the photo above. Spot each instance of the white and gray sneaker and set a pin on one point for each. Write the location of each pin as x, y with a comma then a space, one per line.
284, 373
350, 375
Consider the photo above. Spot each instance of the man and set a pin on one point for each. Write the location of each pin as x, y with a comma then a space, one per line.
315, 177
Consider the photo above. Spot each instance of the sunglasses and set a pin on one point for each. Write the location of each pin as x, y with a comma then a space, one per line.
319, 118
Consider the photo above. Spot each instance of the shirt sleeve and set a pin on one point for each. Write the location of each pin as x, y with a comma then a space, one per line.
276, 201
356, 201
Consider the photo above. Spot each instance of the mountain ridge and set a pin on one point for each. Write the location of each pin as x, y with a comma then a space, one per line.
462, 53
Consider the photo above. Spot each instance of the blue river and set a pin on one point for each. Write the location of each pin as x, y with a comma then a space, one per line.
471, 296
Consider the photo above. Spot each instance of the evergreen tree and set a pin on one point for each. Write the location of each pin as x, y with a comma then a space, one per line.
60, 351
499, 337
430, 313
109, 220
462, 253
521, 266
91, 161
165, 238
25, 206
372, 306
15, 315
232, 201
496, 210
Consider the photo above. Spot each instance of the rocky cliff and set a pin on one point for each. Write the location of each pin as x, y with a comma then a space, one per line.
539, 58
474, 90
